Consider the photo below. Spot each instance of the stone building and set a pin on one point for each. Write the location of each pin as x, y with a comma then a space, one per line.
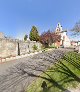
65, 41
1, 35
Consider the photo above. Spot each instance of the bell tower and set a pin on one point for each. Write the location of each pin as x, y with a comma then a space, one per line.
58, 28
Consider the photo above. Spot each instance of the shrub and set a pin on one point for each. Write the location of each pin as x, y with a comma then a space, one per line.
52, 47
35, 47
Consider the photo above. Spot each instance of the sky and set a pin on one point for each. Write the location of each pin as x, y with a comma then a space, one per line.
18, 16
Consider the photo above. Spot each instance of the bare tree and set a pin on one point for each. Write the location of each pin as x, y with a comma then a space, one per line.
76, 28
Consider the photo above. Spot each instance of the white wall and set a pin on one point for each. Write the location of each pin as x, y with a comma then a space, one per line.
66, 40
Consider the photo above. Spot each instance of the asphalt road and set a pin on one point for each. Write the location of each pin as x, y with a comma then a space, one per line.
16, 75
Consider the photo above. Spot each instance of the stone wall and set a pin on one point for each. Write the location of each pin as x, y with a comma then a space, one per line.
27, 47
1, 35
8, 48
12, 47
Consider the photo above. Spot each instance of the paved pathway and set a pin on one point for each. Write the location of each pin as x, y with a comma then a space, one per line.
77, 89
16, 74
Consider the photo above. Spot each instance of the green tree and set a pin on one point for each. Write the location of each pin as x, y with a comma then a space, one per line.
25, 37
35, 47
34, 35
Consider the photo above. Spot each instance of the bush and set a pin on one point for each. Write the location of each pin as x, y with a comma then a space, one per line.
53, 47
35, 47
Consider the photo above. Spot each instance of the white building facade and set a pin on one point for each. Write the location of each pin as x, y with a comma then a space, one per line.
65, 41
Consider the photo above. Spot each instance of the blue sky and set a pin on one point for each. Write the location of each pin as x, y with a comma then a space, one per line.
18, 16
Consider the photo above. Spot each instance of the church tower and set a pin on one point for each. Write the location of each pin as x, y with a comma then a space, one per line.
58, 29
65, 41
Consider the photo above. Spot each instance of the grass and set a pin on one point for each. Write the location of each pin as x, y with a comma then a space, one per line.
47, 49
53, 47
63, 75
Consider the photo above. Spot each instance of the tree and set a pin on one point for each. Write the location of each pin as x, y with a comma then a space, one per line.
47, 38
35, 47
34, 35
25, 37
76, 28
76, 31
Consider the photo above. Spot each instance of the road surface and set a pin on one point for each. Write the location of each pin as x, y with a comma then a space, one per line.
16, 75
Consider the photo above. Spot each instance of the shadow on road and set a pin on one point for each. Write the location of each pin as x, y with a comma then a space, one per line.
25, 72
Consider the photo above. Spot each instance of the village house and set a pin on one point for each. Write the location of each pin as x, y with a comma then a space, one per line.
75, 43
